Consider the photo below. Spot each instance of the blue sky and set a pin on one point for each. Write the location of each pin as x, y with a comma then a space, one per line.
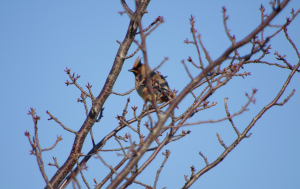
39, 39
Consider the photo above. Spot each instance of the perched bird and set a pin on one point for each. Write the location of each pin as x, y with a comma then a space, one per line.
162, 92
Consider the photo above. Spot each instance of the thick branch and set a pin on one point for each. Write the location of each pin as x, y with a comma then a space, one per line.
97, 103
163, 117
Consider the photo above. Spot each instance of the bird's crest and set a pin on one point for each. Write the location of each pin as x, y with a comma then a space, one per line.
137, 63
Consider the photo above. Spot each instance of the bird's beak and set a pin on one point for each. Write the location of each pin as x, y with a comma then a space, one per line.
135, 72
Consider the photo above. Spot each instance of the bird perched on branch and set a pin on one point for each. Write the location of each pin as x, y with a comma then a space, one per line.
162, 92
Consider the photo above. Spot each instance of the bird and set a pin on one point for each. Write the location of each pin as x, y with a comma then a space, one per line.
161, 89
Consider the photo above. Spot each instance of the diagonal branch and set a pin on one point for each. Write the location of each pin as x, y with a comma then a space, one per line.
245, 132
167, 154
162, 118
98, 103
128, 10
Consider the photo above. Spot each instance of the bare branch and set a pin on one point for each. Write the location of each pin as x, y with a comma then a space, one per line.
128, 92
205, 159
221, 141
191, 61
159, 65
186, 69
83, 97
149, 32
167, 154
207, 56
128, 10
132, 54
60, 123
244, 108
228, 115
193, 31
82, 176
122, 148
100, 115
285, 100
74, 79
291, 42
244, 134
225, 18
119, 42
57, 140
98, 103
92, 137
90, 91
55, 163
111, 173
110, 167
211, 78
142, 184
144, 50
36, 148
126, 123
159, 19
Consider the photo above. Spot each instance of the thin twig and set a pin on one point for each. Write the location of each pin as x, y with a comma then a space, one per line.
57, 140
36, 148
128, 92
132, 54
187, 70
244, 134
126, 123
111, 173
55, 163
92, 137
149, 32
205, 159
82, 176
60, 123
128, 10
159, 65
122, 148
225, 18
158, 19
285, 100
221, 141
167, 154
244, 108
230, 119
291, 42
110, 167
207, 56
74, 79
193, 31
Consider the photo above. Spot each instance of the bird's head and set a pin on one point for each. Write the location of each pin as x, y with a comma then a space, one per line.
138, 68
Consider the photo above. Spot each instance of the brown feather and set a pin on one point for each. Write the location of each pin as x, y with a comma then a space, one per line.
159, 84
